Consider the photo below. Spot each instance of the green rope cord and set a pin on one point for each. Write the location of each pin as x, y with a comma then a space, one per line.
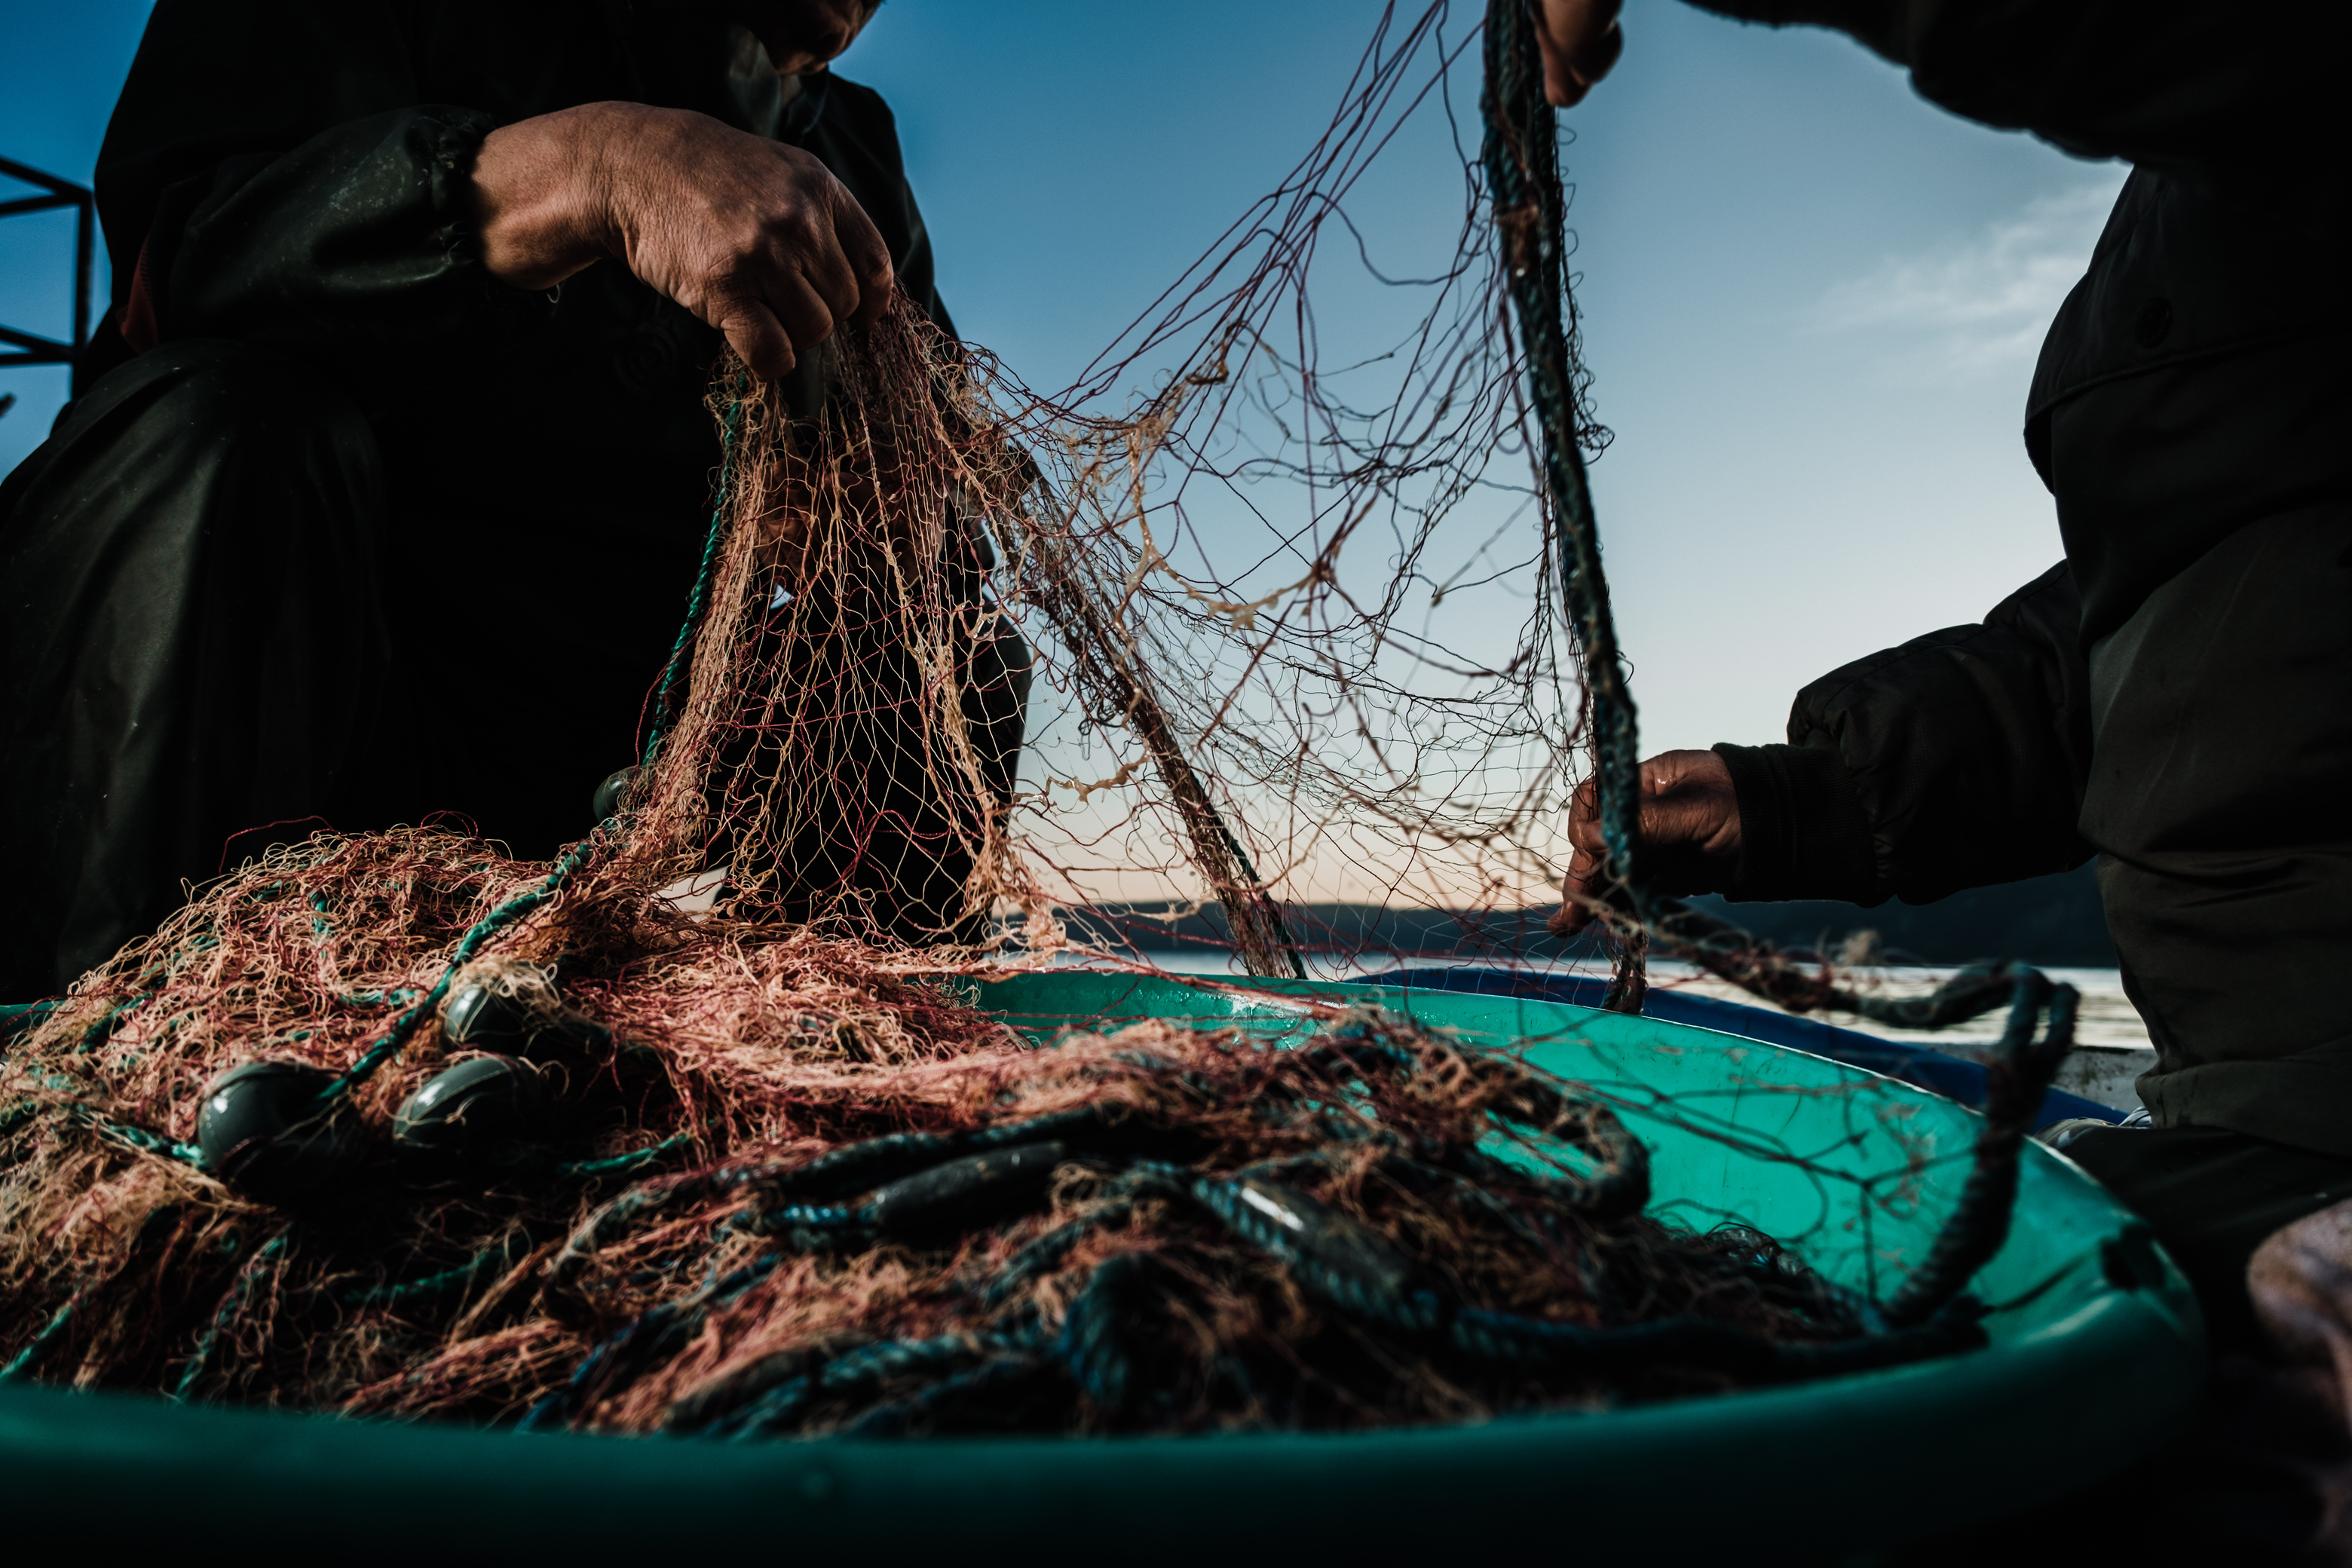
232, 1307
320, 927
23, 1017
1521, 156
389, 1044
131, 1136
489, 1261
103, 1030
88, 1115
21, 1368
622, 1164
1281, 926
698, 602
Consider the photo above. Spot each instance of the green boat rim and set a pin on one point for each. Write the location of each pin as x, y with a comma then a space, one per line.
2096, 1357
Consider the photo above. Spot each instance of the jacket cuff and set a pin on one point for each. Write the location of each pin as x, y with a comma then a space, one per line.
1802, 834
452, 139
358, 241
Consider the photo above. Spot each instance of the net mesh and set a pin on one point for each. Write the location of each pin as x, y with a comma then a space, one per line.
1281, 629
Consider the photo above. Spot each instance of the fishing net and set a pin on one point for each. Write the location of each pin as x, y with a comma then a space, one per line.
699, 1130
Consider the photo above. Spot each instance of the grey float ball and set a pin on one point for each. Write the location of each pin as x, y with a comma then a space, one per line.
479, 1019
608, 795
264, 1131
482, 1109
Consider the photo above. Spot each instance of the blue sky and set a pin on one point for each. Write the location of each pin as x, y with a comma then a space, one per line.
1813, 300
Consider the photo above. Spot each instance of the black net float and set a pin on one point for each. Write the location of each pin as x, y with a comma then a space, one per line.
481, 1019
264, 1131
607, 799
481, 1107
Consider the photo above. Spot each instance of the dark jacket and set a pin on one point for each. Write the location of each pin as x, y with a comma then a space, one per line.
2176, 696
292, 175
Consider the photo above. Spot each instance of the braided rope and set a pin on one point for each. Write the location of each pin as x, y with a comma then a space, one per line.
234, 1302
1522, 158
698, 604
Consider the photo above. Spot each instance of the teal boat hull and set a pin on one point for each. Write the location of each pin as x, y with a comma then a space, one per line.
2096, 1356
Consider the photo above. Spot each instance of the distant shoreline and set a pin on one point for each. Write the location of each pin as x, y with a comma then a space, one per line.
2053, 921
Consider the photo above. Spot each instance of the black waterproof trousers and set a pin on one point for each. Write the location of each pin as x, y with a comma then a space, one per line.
218, 634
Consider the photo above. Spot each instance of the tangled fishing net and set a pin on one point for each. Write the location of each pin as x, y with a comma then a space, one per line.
394, 1124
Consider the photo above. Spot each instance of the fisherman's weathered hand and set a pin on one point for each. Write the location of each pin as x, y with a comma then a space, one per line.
755, 238
1688, 804
1580, 40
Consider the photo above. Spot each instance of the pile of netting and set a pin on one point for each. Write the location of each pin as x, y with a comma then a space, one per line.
694, 1130
704, 1176
154, 1242
731, 1183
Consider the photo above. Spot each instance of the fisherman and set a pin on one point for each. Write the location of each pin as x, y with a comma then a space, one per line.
385, 477
2174, 697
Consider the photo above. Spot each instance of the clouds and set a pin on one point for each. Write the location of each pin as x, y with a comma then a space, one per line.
1982, 304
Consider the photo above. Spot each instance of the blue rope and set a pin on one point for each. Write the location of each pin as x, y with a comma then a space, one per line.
1336, 1259
613, 1365
777, 1408
1090, 1345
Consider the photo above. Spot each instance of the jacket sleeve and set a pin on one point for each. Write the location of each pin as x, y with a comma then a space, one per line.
2175, 82
1955, 760
270, 175
355, 239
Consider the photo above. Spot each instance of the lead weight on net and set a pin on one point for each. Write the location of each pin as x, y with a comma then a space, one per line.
264, 1131
480, 1109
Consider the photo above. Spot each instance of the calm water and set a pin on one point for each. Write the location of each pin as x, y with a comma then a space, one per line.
2107, 1017
2112, 1045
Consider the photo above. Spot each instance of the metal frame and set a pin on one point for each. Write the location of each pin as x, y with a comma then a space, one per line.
28, 348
